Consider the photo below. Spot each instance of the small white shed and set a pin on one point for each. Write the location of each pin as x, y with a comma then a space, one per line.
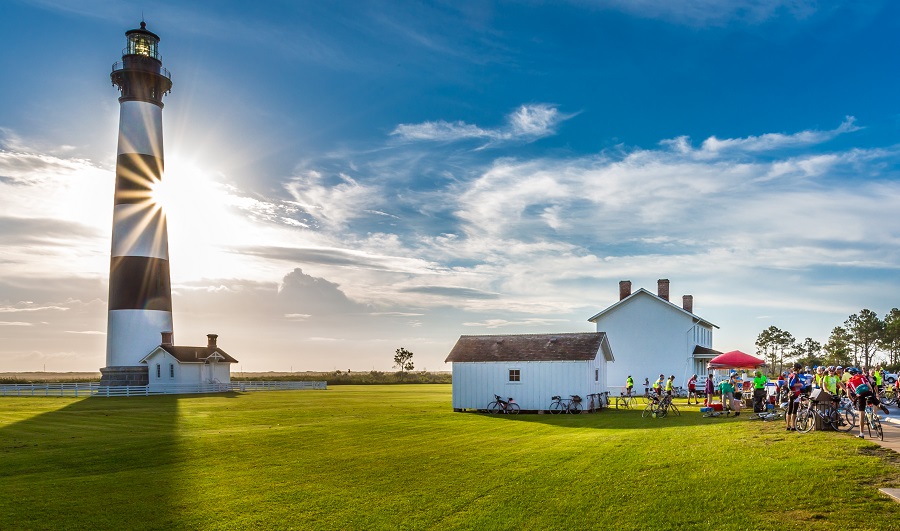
531, 368
171, 365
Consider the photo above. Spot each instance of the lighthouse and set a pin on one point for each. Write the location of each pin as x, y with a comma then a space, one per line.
140, 293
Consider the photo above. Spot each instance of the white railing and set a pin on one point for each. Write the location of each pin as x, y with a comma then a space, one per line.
95, 389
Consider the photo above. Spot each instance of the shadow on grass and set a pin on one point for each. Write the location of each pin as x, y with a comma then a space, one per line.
91, 463
611, 419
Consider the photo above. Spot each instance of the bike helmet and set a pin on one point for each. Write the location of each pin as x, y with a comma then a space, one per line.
853, 370
838, 368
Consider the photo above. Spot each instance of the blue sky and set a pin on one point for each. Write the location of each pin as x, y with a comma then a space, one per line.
347, 178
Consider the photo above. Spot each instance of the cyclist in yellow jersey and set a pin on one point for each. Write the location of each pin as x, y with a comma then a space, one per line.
629, 385
670, 385
658, 384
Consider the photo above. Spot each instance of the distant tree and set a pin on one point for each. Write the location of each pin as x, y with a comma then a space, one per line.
403, 360
838, 350
774, 345
809, 353
865, 328
889, 342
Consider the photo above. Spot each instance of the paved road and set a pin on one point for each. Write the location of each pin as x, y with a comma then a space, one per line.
891, 426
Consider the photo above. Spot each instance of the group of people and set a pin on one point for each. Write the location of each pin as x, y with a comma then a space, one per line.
860, 386
660, 386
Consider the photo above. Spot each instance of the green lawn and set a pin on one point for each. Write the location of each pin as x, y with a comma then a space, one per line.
398, 457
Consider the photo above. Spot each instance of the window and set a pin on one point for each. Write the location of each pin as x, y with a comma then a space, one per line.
515, 375
171, 370
596, 375
157, 370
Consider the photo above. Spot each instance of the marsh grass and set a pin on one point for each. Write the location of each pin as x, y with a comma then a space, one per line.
398, 457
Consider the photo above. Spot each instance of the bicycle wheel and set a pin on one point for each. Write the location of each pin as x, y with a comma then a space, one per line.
493, 407
575, 408
843, 420
556, 407
876, 424
674, 409
513, 408
869, 420
629, 402
805, 420
662, 410
649, 410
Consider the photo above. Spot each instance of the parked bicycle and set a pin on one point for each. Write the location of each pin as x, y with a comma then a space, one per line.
830, 415
566, 405
652, 407
503, 406
625, 402
595, 402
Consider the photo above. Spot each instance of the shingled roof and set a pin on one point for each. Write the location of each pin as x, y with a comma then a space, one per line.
195, 354
528, 347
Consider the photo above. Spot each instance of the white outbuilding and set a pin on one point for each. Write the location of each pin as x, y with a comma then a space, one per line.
654, 336
169, 365
531, 368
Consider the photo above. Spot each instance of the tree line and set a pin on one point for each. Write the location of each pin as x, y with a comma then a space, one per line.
863, 341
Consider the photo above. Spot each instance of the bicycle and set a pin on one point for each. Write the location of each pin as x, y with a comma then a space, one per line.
625, 402
503, 406
889, 397
652, 409
596, 402
667, 406
873, 423
566, 405
806, 417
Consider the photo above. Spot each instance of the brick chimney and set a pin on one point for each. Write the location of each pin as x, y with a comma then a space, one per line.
688, 303
624, 289
167, 339
211, 338
662, 288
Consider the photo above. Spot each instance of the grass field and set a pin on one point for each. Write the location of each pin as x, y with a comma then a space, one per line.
398, 457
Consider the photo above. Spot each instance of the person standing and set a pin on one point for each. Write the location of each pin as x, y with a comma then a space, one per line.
759, 391
670, 386
795, 387
692, 390
709, 389
727, 390
629, 385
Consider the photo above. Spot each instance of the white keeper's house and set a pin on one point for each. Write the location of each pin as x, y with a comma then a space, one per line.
530, 368
170, 365
653, 336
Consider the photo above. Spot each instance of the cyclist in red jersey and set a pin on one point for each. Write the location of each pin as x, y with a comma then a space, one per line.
864, 389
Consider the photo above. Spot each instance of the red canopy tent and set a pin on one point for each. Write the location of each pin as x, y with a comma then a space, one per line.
735, 360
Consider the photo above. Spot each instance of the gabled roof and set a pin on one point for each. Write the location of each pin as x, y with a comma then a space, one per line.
193, 354
530, 347
642, 292
704, 350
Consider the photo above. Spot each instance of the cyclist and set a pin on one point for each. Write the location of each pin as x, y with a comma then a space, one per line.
877, 376
658, 384
795, 387
759, 391
670, 385
629, 385
692, 389
817, 380
710, 389
860, 384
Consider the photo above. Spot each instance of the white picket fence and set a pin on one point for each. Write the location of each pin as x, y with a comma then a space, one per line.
95, 389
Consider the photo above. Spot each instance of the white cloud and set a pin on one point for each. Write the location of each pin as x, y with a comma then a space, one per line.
527, 123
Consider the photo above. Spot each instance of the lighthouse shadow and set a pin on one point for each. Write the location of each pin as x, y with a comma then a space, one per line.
94, 463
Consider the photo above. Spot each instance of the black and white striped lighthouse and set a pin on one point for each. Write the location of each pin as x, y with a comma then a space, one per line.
140, 293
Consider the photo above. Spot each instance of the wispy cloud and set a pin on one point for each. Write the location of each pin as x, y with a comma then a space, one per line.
713, 147
525, 124
715, 12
